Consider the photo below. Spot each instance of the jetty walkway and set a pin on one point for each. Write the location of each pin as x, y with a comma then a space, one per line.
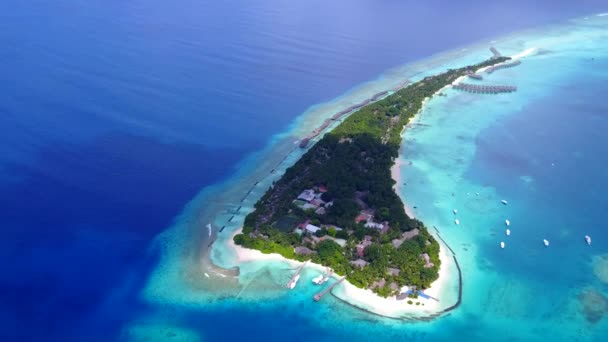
475, 76
502, 66
320, 295
495, 52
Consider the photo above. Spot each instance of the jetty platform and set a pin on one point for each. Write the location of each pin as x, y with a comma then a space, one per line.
502, 66
320, 295
495, 52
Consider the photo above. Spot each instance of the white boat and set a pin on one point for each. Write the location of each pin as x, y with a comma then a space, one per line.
322, 278
508, 232
206, 275
502, 245
457, 221
546, 242
504, 202
455, 211
588, 239
293, 283
209, 228
507, 222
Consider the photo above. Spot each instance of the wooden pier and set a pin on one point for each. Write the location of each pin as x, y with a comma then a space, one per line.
484, 89
495, 52
475, 76
293, 279
502, 66
320, 295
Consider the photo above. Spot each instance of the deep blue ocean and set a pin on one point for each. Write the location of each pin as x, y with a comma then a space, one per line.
115, 114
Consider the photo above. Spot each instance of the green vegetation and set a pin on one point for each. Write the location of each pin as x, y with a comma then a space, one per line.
352, 165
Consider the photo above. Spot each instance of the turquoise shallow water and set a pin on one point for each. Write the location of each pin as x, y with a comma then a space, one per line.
540, 148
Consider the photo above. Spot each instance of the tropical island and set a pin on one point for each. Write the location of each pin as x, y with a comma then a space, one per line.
337, 205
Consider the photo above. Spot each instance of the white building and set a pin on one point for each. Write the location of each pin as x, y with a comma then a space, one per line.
307, 195
311, 228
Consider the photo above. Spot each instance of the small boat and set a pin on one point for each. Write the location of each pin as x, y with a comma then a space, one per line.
293, 283
206, 275
507, 222
209, 228
508, 232
588, 239
455, 211
502, 244
504, 202
457, 222
546, 242
318, 279
322, 278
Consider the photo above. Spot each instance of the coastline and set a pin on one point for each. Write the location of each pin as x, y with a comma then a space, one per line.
363, 299
486, 292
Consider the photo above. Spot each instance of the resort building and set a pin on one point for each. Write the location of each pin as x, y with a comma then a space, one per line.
393, 271
427, 260
405, 236
307, 195
300, 250
359, 263
311, 228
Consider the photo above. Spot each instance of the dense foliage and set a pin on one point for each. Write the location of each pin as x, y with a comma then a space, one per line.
353, 162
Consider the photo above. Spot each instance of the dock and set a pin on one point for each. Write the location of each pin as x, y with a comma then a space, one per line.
296, 276
495, 52
426, 296
502, 66
475, 76
320, 295
485, 89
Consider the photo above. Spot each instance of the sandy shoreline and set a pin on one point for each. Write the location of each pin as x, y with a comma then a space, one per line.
366, 299
362, 298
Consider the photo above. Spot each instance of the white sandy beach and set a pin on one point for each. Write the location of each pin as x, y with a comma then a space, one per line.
362, 298
392, 307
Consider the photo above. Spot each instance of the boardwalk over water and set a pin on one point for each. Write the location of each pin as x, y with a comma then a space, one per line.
502, 66
484, 89
320, 295
475, 76
495, 52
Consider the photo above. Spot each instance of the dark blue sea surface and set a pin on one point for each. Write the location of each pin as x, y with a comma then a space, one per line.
115, 114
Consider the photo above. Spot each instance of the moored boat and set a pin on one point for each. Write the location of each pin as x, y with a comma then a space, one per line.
507, 222
502, 244
504, 202
546, 242
457, 221
508, 232
293, 283
588, 239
